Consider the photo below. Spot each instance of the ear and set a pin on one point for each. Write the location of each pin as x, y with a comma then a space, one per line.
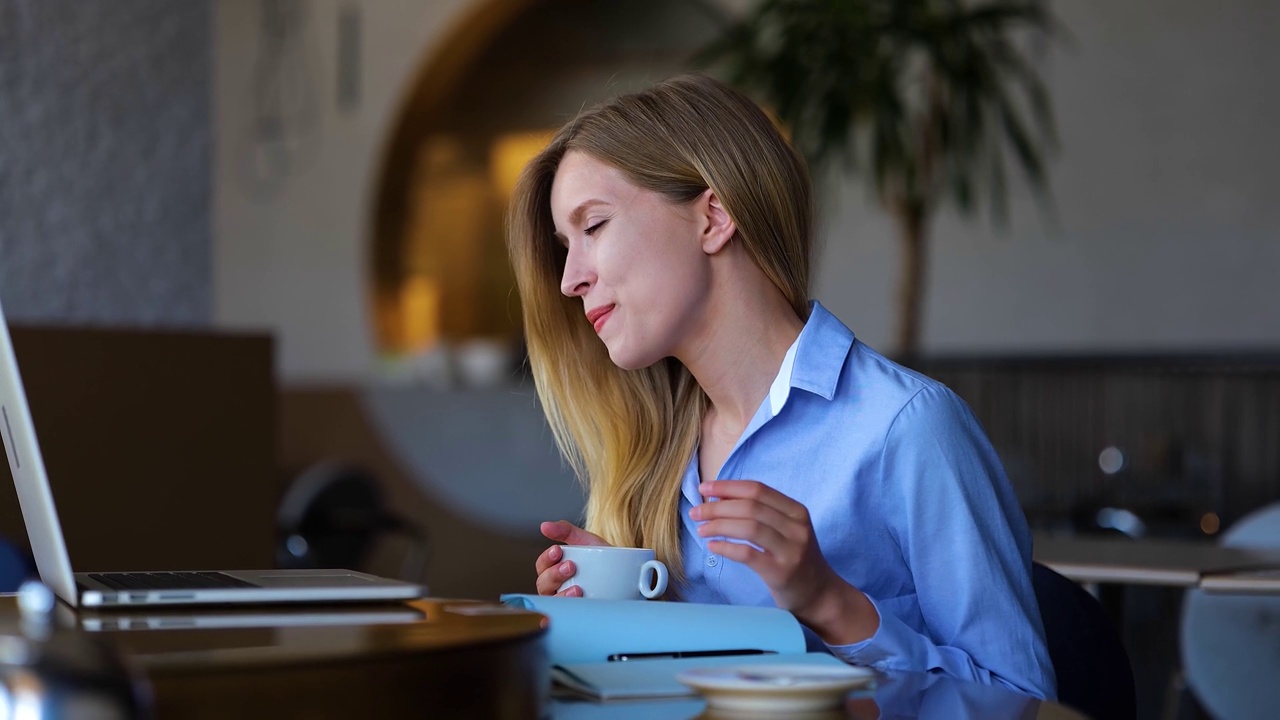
718, 228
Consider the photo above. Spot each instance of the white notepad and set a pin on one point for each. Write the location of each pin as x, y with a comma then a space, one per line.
657, 678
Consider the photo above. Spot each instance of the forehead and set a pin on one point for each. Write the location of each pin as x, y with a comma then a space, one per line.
580, 178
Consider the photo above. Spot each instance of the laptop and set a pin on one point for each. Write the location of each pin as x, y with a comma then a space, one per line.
133, 589
262, 616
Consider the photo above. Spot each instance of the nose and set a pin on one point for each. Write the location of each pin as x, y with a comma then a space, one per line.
578, 275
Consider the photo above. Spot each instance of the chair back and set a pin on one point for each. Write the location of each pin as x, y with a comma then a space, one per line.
1089, 658
1228, 642
334, 514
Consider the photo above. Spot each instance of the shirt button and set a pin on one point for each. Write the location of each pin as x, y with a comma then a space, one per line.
711, 561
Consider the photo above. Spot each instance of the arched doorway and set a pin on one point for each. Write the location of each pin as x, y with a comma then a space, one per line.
477, 109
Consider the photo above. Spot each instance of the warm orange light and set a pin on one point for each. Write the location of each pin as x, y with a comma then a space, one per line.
1209, 523
420, 312
510, 153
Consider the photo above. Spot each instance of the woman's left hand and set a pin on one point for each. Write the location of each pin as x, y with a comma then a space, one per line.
789, 561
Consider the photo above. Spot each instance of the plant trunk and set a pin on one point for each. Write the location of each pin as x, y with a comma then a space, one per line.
911, 281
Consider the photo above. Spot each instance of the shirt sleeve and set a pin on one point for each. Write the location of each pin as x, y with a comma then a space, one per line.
966, 542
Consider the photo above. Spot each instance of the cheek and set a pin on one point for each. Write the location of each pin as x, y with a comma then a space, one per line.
672, 259
674, 297
660, 276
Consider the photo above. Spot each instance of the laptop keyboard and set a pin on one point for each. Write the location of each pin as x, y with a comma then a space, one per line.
170, 581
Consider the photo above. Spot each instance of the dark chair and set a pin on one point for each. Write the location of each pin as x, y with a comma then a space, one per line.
1228, 641
334, 514
1094, 675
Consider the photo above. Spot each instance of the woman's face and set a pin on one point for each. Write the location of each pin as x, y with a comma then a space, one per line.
634, 258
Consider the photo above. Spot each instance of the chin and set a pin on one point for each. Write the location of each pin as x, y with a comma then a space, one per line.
628, 360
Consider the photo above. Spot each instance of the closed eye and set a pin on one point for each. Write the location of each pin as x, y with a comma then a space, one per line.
594, 228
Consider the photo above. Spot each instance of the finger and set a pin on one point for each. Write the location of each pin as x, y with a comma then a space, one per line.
752, 490
573, 591
549, 557
550, 580
750, 510
569, 534
738, 552
789, 528
764, 564
750, 530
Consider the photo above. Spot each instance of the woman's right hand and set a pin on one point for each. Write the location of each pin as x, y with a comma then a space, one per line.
551, 571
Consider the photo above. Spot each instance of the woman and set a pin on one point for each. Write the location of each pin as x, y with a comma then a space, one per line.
661, 243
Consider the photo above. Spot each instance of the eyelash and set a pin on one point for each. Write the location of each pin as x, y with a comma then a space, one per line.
591, 231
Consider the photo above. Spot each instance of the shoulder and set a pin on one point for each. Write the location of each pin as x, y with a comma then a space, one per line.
832, 362
871, 378
914, 413
867, 389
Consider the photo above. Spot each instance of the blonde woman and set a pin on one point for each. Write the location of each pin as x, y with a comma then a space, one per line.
661, 243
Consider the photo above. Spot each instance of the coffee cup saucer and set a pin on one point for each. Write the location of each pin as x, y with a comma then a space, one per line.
773, 689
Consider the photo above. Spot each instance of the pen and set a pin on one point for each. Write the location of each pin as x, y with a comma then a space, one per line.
623, 657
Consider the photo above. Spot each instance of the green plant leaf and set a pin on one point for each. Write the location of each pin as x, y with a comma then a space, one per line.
934, 90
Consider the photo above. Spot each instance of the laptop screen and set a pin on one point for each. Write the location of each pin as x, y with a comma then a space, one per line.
44, 532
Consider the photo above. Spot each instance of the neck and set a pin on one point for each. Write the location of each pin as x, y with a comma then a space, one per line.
737, 349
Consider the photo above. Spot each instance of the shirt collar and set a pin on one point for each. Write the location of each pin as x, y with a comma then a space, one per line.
781, 388
814, 360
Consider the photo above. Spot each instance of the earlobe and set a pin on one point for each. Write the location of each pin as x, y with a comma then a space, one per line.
719, 228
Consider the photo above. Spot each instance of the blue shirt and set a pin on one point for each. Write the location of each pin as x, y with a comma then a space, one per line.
909, 503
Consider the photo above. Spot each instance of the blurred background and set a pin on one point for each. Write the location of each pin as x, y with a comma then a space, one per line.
271, 230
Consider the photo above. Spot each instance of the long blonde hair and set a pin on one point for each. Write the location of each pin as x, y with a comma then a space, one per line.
629, 434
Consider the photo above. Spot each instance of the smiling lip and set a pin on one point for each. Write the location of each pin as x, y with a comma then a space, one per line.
598, 316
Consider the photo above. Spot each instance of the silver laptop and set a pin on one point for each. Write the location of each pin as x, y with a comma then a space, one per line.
131, 589
264, 616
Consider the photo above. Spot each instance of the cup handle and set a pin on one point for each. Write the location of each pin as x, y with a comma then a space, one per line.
659, 585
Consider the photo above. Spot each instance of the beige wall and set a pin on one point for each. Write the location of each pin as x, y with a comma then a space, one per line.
1164, 191
294, 262
1167, 234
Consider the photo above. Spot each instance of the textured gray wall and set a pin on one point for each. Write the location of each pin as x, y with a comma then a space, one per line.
105, 161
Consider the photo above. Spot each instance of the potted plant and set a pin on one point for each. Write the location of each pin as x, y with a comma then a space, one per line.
926, 99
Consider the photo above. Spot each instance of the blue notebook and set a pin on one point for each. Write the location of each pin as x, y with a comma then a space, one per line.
614, 649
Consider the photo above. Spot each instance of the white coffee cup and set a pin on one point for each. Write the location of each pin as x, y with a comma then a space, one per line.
614, 573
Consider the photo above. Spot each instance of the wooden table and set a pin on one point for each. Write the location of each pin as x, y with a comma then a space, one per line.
433, 658
1242, 582
1107, 564
1171, 563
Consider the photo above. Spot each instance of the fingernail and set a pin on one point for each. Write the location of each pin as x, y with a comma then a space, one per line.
555, 552
565, 569
696, 513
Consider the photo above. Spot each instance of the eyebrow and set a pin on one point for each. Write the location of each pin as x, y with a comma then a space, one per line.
575, 217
